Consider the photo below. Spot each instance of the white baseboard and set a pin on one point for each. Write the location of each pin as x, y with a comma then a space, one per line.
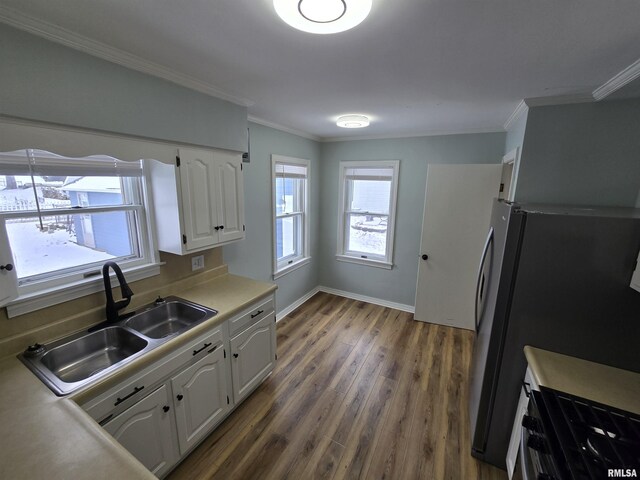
341, 293
364, 298
287, 310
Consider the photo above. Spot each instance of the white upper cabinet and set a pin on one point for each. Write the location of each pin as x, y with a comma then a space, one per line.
199, 201
229, 196
8, 276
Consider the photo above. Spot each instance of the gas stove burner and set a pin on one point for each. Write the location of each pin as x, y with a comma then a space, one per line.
598, 446
612, 451
591, 438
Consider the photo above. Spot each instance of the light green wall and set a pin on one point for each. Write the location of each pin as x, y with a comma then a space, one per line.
582, 154
415, 154
253, 257
45, 81
515, 134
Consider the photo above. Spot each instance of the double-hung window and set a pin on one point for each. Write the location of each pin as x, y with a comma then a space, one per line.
290, 207
65, 216
368, 192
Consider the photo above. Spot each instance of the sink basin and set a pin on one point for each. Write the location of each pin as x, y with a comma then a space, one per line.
88, 355
168, 318
80, 359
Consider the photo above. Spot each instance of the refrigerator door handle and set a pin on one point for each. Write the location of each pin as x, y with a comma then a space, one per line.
480, 282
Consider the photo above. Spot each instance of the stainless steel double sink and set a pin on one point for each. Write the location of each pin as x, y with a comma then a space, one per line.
80, 359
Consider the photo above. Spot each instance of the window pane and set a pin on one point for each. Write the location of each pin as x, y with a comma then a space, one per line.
70, 241
94, 191
369, 195
288, 236
367, 234
289, 195
18, 193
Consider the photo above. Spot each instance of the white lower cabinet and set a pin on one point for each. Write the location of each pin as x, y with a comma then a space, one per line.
201, 398
192, 389
146, 431
253, 356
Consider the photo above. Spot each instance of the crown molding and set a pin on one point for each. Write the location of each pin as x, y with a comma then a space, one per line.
559, 100
523, 106
618, 81
282, 128
78, 42
430, 133
521, 109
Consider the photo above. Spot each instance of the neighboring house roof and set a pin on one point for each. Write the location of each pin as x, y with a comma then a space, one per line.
92, 184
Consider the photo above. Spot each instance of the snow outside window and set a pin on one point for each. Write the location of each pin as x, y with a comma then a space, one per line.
289, 176
66, 216
367, 212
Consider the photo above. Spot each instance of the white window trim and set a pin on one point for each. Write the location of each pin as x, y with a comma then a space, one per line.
305, 258
16, 134
373, 261
30, 302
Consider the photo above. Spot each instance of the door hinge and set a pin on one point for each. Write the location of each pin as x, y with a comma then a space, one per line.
177, 160
228, 400
241, 167
243, 228
276, 356
184, 239
501, 188
225, 353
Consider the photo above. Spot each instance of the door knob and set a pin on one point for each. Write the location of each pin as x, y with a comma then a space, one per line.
425, 256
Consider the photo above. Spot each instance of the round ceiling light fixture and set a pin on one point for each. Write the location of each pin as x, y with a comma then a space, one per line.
322, 16
353, 121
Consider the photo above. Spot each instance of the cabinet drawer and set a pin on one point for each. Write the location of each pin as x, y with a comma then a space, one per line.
251, 316
122, 396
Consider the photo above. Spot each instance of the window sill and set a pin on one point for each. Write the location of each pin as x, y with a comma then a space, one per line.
290, 268
365, 261
31, 302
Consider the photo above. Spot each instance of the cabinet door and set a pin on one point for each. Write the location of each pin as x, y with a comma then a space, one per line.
230, 196
253, 356
144, 429
197, 183
8, 276
201, 398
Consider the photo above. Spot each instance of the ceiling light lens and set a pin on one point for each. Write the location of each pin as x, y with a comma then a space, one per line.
322, 16
322, 11
353, 121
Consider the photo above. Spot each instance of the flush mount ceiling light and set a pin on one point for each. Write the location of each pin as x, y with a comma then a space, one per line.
323, 16
353, 121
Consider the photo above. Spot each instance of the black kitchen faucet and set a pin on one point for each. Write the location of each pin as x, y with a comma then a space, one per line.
114, 307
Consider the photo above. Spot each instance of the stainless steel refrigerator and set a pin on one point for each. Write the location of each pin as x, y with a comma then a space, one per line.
556, 278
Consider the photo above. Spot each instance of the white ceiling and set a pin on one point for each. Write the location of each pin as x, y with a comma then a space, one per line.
413, 66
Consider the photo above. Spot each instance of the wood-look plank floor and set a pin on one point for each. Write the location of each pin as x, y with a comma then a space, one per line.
359, 391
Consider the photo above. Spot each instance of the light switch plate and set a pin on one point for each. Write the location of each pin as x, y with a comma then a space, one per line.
197, 262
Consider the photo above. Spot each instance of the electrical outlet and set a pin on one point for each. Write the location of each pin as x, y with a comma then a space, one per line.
197, 262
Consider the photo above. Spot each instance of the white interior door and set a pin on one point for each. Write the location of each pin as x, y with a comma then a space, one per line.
457, 212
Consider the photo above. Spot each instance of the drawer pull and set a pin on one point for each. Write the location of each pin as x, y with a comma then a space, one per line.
206, 345
120, 400
105, 420
235, 355
257, 313
179, 397
166, 408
